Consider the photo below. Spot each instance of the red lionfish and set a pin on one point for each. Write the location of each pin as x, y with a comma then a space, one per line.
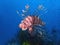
29, 21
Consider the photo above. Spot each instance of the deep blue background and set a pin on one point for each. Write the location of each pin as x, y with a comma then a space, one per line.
9, 19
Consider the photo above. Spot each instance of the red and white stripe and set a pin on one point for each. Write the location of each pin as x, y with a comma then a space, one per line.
29, 21
26, 23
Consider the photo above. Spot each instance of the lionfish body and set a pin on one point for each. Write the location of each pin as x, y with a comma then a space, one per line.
29, 22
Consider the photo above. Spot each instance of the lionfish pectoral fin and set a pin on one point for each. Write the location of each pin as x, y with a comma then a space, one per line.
43, 23
30, 29
24, 29
39, 25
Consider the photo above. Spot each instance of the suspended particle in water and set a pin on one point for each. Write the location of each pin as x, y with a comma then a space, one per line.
27, 6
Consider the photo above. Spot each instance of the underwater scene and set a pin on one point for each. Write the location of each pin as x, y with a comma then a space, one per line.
29, 22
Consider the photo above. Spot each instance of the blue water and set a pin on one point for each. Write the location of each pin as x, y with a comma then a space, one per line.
9, 19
